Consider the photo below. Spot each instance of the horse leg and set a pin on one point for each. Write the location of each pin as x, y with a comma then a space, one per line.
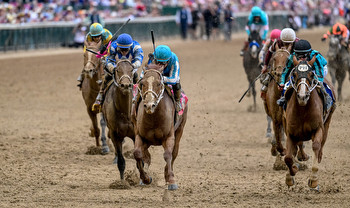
254, 97
316, 147
340, 79
268, 130
118, 146
95, 131
138, 155
105, 148
277, 127
301, 155
168, 146
289, 160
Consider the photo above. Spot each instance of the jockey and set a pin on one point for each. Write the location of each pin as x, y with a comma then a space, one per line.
287, 37
340, 30
257, 20
97, 33
303, 51
275, 34
122, 48
171, 74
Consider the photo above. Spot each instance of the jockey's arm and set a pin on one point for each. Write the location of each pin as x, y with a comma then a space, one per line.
174, 73
286, 71
138, 56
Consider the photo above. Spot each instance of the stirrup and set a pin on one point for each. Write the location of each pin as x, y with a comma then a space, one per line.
241, 53
96, 107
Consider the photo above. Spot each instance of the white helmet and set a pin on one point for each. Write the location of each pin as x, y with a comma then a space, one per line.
288, 35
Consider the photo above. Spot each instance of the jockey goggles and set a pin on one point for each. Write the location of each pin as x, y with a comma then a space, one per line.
161, 62
301, 55
123, 49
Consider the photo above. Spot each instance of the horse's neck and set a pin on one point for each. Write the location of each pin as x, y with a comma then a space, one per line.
122, 102
162, 110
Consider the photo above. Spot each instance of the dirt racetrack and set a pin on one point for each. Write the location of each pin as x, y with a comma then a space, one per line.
224, 158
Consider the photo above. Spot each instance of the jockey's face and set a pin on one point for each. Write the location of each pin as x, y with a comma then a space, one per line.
256, 19
160, 63
301, 56
97, 38
124, 51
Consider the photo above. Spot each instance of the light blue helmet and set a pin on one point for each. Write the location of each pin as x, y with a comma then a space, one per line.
162, 53
124, 41
96, 29
256, 11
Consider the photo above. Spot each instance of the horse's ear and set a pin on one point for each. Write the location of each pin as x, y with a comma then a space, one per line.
86, 43
295, 61
311, 62
277, 47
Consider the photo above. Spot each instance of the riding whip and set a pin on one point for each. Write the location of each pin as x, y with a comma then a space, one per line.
154, 47
250, 86
114, 37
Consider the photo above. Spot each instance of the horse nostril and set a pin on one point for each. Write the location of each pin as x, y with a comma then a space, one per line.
153, 106
145, 105
122, 85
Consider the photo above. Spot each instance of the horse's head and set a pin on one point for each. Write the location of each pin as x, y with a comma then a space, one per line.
334, 47
152, 87
91, 62
303, 79
279, 61
123, 75
255, 43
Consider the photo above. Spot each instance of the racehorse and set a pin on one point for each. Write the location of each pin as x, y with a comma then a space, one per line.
251, 60
92, 71
154, 125
305, 118
274, 111
117, 109
338, 62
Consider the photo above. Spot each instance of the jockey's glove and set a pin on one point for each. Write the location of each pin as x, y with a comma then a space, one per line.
323, 39
110, 67
103, 49
151, 56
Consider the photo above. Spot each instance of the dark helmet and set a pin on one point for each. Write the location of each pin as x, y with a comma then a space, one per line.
302, 46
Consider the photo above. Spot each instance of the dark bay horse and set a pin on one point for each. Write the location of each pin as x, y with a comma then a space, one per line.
93, 69
305, 119
117, 109
251, 60
154, 125
274, 111
338, 62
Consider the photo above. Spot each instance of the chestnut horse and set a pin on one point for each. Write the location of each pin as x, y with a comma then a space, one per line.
274, 111
92, 72
305, 119
154, 125
117, 109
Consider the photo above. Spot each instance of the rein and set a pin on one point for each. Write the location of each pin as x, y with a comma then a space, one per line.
157, 96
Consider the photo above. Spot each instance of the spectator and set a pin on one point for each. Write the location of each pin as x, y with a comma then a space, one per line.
208, 14
216, 21
195, 19
184, 19
228, 19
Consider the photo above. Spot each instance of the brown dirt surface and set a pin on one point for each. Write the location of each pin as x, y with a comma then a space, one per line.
224, 158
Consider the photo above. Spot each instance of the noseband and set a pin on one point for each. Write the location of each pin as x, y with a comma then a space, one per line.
158, 96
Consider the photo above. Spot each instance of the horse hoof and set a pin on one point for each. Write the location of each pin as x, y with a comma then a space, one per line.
289, 180
115, 161
105, 150
146, 183
269, 136
317, 188
274, 151
313, 183
172, 187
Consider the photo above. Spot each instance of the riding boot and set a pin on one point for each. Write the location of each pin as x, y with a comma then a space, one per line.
178, 104
80, 80
96, 107
245, 47
265, 83
135, 78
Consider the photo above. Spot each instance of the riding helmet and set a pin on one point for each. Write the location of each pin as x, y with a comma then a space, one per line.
288, 35
275, 34
96, 29
302, 46
256, 11
124, 41
162, 53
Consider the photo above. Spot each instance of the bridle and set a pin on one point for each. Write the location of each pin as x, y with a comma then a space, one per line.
158, 96
303, 80
115, 75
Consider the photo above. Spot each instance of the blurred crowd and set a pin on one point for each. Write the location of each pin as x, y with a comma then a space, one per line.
29, 11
